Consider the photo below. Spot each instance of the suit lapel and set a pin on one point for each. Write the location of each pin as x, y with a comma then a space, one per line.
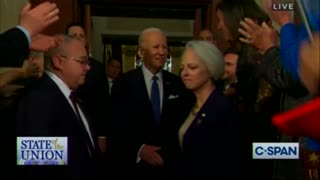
206, 109
52, 86
92, 130
166, 89
142, 87
141, 90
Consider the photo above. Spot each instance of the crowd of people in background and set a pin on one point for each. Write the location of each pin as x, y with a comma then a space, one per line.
149, 122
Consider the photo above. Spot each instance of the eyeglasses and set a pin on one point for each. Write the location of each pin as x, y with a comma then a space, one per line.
82, 61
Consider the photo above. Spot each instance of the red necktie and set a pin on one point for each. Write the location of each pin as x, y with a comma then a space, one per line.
74, 100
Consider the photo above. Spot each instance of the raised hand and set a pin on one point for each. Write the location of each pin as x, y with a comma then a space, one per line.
309, 67
150, 155
37, 19
261, 37
42, 42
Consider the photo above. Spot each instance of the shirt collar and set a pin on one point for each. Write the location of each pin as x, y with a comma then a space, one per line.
62, 86
148, 75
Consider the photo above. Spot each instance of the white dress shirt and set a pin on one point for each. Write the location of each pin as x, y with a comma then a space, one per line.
148, 80
66, 91
110, 81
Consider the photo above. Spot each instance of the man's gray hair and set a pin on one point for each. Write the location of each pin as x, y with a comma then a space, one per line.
144, 32
210, 55
63, 40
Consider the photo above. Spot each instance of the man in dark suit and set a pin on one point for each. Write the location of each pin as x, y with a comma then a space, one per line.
229, 77
49, 109
138, 98
94, 92
15, 42
113, 68
14, 47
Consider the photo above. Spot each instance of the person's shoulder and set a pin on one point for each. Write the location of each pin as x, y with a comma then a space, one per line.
39, 92
224, 102
128, 77
171, 76
14, 32
131, 73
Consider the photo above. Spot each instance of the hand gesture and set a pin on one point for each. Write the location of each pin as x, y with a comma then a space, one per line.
309, 68
37, 19
43, 43
261, 37
150, 155
30, 69
10, 90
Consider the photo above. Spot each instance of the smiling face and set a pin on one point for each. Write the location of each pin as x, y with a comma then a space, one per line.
154, 50
194, 72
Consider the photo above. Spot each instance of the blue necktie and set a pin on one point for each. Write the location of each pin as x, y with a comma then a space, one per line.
155, 99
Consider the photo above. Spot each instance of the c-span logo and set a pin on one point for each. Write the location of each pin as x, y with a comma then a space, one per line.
42, 150
275, 150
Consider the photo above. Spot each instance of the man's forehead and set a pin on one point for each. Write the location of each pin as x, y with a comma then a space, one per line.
231, 56
154, 43
154, 34
75, 45
74, 29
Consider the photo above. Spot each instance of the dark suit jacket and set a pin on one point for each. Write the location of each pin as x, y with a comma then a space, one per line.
211, 145
133, 123
14, 48
44, 111
95, 96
